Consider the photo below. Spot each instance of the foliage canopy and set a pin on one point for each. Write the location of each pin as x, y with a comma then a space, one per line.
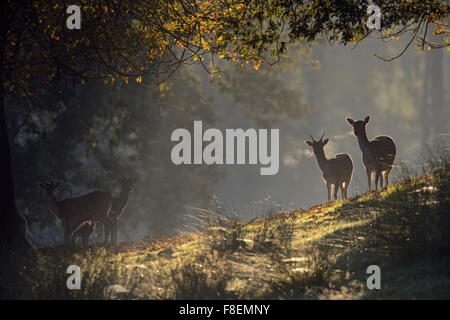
124, 39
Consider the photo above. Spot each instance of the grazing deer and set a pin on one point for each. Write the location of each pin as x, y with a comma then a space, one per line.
377, 155
76, 212
117, 210
336, 171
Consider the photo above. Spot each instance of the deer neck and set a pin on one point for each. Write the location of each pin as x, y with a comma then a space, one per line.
120, 202
363, 141
322, 160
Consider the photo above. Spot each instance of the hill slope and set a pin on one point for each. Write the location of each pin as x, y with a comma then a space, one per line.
320, 253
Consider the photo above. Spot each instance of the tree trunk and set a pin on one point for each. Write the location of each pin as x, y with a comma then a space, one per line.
12, 225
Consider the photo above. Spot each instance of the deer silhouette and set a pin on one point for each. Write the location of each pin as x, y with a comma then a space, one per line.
377, 155
336, 171
119, 204
117, 209
74, 213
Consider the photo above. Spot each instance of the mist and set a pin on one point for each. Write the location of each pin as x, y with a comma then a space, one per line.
350, 82
311, 91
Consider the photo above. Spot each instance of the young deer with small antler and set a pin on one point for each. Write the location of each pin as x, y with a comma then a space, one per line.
76, 212
377, 155
118, 208
336, 171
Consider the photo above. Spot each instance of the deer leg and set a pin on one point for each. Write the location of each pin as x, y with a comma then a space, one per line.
106, 233
68, 242
109, 229
86, 233
387, 177
103, 229
336, 189
381, 180
67, 238
115, 230
70, 237
369, 178
347, 184
343, 190
85, 240
377, 177
329, 191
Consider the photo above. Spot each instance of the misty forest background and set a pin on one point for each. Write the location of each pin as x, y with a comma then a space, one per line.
87, 137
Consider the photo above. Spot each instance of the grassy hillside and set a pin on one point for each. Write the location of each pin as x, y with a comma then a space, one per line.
319, 253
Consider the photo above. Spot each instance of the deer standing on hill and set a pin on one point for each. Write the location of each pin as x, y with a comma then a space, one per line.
377, 155
117, 210
336, 171
74, 213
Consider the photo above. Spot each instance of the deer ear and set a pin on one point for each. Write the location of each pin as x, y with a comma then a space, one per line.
366, 120
325, 141
309, 143
350, 121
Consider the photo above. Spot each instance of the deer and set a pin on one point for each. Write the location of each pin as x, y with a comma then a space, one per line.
378, 155
336, 171
119, 204
74, 213
117, 209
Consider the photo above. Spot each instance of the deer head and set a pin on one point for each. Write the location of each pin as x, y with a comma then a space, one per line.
49, 187
317, 145
127, 183
359, 126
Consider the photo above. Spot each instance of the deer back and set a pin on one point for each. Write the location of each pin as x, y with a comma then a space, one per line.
383, 151
341, 167
86, 207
